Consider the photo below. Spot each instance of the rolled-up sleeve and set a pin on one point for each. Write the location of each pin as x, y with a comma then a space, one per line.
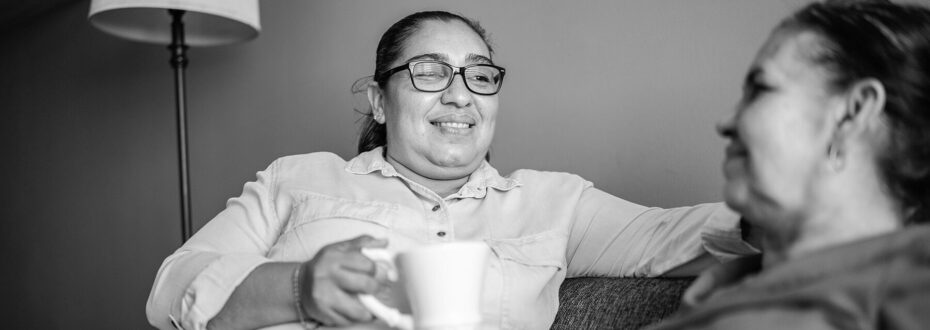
722, 235
194, 283
614, 237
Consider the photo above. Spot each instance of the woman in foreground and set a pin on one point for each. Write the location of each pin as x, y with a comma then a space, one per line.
829, 156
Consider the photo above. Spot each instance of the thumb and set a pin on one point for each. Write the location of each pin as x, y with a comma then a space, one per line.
371, 242
366, 241
361, 241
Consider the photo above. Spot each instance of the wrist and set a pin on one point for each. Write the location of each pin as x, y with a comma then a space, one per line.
297, 283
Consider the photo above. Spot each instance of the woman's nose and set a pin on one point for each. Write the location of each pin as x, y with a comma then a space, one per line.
726, 126
457, 93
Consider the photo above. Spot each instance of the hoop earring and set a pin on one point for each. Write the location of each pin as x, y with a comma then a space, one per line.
837, 161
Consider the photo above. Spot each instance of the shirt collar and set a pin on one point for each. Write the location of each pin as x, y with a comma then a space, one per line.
486, 176
371, 161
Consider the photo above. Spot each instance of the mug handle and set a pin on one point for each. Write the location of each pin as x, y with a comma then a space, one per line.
384, 260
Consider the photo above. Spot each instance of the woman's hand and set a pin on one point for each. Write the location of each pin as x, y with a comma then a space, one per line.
331, 281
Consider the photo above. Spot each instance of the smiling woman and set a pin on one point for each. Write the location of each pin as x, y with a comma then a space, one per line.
782, 120
426, 140
288, 250
828, 155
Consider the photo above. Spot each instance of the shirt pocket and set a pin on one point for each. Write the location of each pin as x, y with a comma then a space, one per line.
317, 220
527, 272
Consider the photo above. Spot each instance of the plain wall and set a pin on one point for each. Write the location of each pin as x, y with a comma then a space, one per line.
624, 93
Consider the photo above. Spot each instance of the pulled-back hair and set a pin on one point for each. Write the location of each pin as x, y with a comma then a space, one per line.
891, 43
392, 44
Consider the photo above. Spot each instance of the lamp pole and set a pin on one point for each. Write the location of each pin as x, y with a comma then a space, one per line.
214, 22
179, 63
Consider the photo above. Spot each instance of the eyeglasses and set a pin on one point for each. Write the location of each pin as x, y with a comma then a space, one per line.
435, 76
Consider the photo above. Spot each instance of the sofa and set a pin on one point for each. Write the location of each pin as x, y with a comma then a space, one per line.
617, 303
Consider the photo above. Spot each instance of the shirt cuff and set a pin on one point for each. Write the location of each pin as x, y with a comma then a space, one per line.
723, 238
208, 293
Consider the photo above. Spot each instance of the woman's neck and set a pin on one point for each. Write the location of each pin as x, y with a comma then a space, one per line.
821, 235
842, 216
441, 187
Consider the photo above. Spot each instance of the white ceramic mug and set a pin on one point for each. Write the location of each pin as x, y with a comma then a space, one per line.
443, 284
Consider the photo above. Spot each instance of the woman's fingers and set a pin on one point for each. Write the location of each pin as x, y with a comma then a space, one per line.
335, 304
350, 258
340, 306
339, 272
330, 317
358, 262
357, 282
349, 308
363, 241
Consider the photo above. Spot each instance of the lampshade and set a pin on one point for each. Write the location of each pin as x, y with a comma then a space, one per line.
206, 22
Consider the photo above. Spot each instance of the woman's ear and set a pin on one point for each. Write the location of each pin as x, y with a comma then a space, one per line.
376, 100
865, 102
857, 120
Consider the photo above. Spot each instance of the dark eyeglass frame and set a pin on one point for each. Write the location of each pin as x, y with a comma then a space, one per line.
460, 70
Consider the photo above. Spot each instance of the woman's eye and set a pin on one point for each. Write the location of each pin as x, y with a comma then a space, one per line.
429, 75
752, 89
480, 78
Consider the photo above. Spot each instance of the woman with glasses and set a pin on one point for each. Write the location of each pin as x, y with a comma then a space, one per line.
287, 251
830, 155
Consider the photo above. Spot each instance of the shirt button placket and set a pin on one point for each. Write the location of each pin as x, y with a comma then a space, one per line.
441, 233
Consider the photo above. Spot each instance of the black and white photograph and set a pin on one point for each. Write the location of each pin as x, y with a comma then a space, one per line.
426, 165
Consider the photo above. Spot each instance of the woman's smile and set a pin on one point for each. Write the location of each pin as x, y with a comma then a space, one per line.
735, 162
457, 124
735, 150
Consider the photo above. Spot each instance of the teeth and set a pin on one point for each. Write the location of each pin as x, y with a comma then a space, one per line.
453, 125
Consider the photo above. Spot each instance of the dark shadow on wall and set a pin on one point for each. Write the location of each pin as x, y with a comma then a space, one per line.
89, 168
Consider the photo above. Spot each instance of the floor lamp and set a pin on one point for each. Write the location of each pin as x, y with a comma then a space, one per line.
179, 24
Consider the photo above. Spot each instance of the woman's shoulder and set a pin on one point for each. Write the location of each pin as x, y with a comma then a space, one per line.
319, 156
314, 160
530, 177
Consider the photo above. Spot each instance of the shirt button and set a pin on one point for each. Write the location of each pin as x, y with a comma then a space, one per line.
436, 208
441, 234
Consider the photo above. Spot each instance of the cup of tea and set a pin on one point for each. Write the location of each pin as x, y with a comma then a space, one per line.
441, 282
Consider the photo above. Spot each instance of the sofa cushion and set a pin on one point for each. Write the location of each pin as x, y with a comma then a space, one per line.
617, 303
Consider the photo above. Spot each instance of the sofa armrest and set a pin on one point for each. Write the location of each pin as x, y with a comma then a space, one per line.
617, 303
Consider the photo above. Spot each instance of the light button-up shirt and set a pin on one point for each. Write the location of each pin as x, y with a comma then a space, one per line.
540, 226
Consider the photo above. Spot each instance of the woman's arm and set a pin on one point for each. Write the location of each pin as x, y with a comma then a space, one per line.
614, 237
326, 285
194, 283
222, 276
264, 298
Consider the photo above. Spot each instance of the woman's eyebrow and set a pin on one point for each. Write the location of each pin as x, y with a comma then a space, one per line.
471, 58
429, 56
475, 58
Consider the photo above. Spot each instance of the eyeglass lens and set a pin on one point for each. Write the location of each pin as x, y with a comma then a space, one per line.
434, 77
